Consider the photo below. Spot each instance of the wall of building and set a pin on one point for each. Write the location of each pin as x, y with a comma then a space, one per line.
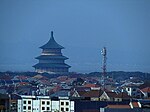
51, 52
51, 61
52, 70
43, 104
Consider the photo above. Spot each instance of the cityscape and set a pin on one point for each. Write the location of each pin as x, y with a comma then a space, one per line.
69, 74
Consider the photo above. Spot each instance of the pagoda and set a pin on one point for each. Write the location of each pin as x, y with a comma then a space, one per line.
51, 59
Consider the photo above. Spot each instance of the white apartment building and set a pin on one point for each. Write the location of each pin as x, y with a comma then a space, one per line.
45, 104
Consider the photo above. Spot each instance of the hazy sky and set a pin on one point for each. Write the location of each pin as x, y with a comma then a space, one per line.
83, 27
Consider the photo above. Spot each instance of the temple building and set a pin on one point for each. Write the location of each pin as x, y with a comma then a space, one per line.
51, 59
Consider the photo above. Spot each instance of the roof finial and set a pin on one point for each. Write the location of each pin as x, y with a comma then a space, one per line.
52, 34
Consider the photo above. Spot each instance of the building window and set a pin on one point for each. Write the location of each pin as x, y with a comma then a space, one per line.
24, 102
128, 89
67, 109
118, 100
29, 107
62, 109
43, 102
48, 102
67, 103
113, 99
43, 108
134, 89
29, 102
48, 108
24, 107
62, 103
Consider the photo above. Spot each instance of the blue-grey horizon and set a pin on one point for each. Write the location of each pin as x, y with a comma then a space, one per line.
83, 27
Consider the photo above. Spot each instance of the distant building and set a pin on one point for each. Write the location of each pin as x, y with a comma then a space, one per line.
146, 92
133, 91
51, 60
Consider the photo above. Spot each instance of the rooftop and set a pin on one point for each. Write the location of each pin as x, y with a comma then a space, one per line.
52, 44
147, 89
118, 106
51, 57
51, 65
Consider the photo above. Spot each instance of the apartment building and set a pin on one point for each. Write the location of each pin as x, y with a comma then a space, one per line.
45, 104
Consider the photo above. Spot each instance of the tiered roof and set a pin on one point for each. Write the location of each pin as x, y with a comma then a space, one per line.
51, 57
52, 65
52, 44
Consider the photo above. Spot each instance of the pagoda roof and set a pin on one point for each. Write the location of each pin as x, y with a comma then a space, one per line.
51, 65
52, 44
51, 57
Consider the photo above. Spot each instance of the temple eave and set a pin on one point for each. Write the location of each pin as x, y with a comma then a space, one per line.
40, 65
51, 57
53, 47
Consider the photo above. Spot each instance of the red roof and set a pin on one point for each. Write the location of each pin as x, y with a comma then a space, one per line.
91, 85
135, 104
93, 93
23, 83
118, 106
89, 93
119, 95
22, 77
146, 90
62, 78
122, 95
111, 94
57, 88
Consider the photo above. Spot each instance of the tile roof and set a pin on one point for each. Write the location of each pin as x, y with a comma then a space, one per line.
51, 57
118, 106
119, 95
82, 88
122, 95
51, 65
111, 94
93, 93
52, 44
57, 88
135, 104
38, 76
81, 93
91, 85
147, 89
62, 78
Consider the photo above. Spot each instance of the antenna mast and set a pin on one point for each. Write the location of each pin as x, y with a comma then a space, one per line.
103, 52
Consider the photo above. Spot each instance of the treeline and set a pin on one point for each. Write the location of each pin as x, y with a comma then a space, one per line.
113, 74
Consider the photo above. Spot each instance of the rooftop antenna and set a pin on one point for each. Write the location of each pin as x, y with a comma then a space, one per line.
104, 58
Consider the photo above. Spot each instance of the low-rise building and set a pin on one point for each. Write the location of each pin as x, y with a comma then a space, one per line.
113, 96
133, 91
45, 104
146, 92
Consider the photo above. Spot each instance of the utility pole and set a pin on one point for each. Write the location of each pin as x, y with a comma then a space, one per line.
104, 58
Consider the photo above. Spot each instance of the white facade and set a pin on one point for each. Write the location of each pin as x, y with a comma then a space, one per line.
133, 91
44, 104
55, 106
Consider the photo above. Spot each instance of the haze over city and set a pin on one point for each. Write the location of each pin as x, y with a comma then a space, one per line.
82, 27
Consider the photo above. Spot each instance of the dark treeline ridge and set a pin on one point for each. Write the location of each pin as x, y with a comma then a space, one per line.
113, 74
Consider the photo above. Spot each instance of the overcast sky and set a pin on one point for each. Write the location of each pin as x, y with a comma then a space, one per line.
83, 27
